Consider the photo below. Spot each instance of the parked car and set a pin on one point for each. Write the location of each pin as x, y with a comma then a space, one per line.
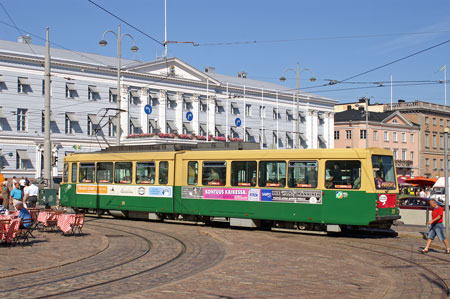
416, 203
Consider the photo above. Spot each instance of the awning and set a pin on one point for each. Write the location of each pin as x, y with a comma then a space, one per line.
302, 114
220, 129
188, 127
289, 135
114, 120
234, 130
71, 86
320, 116
94, 119
71, 116
172, 125
2, 114
24, 81
249, 132
302, 137
188, 100
153, 95
135, 122
94, 89
203, 101
52, 118
289, 112
153, 123
321, 139
23, 154
219, 103
113, 91
172, 97
203, 127
234, 105
135, 93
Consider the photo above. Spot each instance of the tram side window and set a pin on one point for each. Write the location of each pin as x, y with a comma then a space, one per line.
123, 172
87, 172
243, 173
104, 172
163, 172
66, 173
272, 173
214, 173
74, 172
343, 174
145, 172
192, 173
302, 174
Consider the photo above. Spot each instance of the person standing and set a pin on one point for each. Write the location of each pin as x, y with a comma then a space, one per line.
16, 194
32, 195
22, 183
422, 193
437, 228
5, 195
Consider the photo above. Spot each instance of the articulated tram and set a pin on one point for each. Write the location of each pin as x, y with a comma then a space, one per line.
312, 189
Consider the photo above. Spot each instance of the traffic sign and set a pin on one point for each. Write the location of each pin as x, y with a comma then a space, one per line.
189, 116
148, 109
238, 122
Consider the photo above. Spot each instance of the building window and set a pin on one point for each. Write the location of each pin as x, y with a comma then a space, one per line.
43, 87
135, 97
448, 123
69, 124
427, 140
394, 136
427, 162
386, 136
336, 135
204, 107
112, 128
23, 85
411, 154
113, 95
274, 138
441, 163
93, 93
412, 137
441, 141
21, 162
395, 153
403, 137
248, 110
441, 122
348, 134
434, 163
153, 126
90, 127
403, 154
434, 142
262, 112
427, 120
22, 119
275, 113
394, 121
434, 121
71, 91
362, 134
234, 109
375, 135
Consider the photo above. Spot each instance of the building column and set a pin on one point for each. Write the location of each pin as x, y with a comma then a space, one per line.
38, 161
196, 111
330, 129
309, 129
212, 115
179, 112
162, 111
315, 129
124, 116
143, 116
326, 128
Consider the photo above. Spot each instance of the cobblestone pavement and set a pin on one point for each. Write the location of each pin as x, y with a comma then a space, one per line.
136, 259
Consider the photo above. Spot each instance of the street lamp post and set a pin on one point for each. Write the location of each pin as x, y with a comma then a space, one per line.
446, 130
297, 95
103, 43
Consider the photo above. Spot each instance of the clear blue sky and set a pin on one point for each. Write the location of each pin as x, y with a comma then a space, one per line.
78, 25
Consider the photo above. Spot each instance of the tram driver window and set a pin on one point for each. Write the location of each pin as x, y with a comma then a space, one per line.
243, 173
214, 173
123, 173
163, 173
145, 172
87, 172
343, 174
272, 173
74, 172
192, 172
66, 173
104, 172
302, 174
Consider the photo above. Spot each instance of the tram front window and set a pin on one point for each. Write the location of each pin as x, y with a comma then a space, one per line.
383, 172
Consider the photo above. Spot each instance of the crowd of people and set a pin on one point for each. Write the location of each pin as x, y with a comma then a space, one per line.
15, 191
416, 191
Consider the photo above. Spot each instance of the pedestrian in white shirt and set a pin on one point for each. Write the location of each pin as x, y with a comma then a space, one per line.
422, 193
31, 194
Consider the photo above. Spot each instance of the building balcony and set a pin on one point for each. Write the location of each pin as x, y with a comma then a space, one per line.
403, 163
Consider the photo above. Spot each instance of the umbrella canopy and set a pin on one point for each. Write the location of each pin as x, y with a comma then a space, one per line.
421, 181
402, 180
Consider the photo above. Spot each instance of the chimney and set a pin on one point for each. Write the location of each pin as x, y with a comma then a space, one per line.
349, 107
401, 101
24, 39
210, 69
361, 109
242, 75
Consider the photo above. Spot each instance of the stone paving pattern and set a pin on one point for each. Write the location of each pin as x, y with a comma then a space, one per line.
136, 259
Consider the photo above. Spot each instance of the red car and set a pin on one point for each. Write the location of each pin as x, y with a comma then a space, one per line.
416, 203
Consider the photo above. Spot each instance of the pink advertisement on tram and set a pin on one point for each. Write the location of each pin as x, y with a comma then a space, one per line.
226, 193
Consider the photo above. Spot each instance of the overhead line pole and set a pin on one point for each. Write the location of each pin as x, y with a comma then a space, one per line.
47, 112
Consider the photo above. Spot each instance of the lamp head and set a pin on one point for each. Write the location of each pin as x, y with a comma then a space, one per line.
103, 43
312, 79
282, 78
134, 48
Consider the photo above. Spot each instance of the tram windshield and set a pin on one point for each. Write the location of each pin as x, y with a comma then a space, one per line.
383, 172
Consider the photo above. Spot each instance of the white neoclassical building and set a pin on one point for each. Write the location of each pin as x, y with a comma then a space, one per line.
187, 105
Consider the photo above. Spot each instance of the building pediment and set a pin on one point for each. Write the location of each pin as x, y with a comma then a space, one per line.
172, 67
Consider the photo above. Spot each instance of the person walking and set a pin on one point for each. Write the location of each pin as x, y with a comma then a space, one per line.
31, 195
16, 194
437, 228
5, 195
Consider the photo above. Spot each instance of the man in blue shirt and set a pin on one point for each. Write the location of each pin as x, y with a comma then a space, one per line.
23, 214
16, 194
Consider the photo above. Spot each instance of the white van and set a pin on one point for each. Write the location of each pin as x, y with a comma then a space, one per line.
438, 190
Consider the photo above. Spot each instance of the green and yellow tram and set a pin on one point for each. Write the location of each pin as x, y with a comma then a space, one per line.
317, 189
